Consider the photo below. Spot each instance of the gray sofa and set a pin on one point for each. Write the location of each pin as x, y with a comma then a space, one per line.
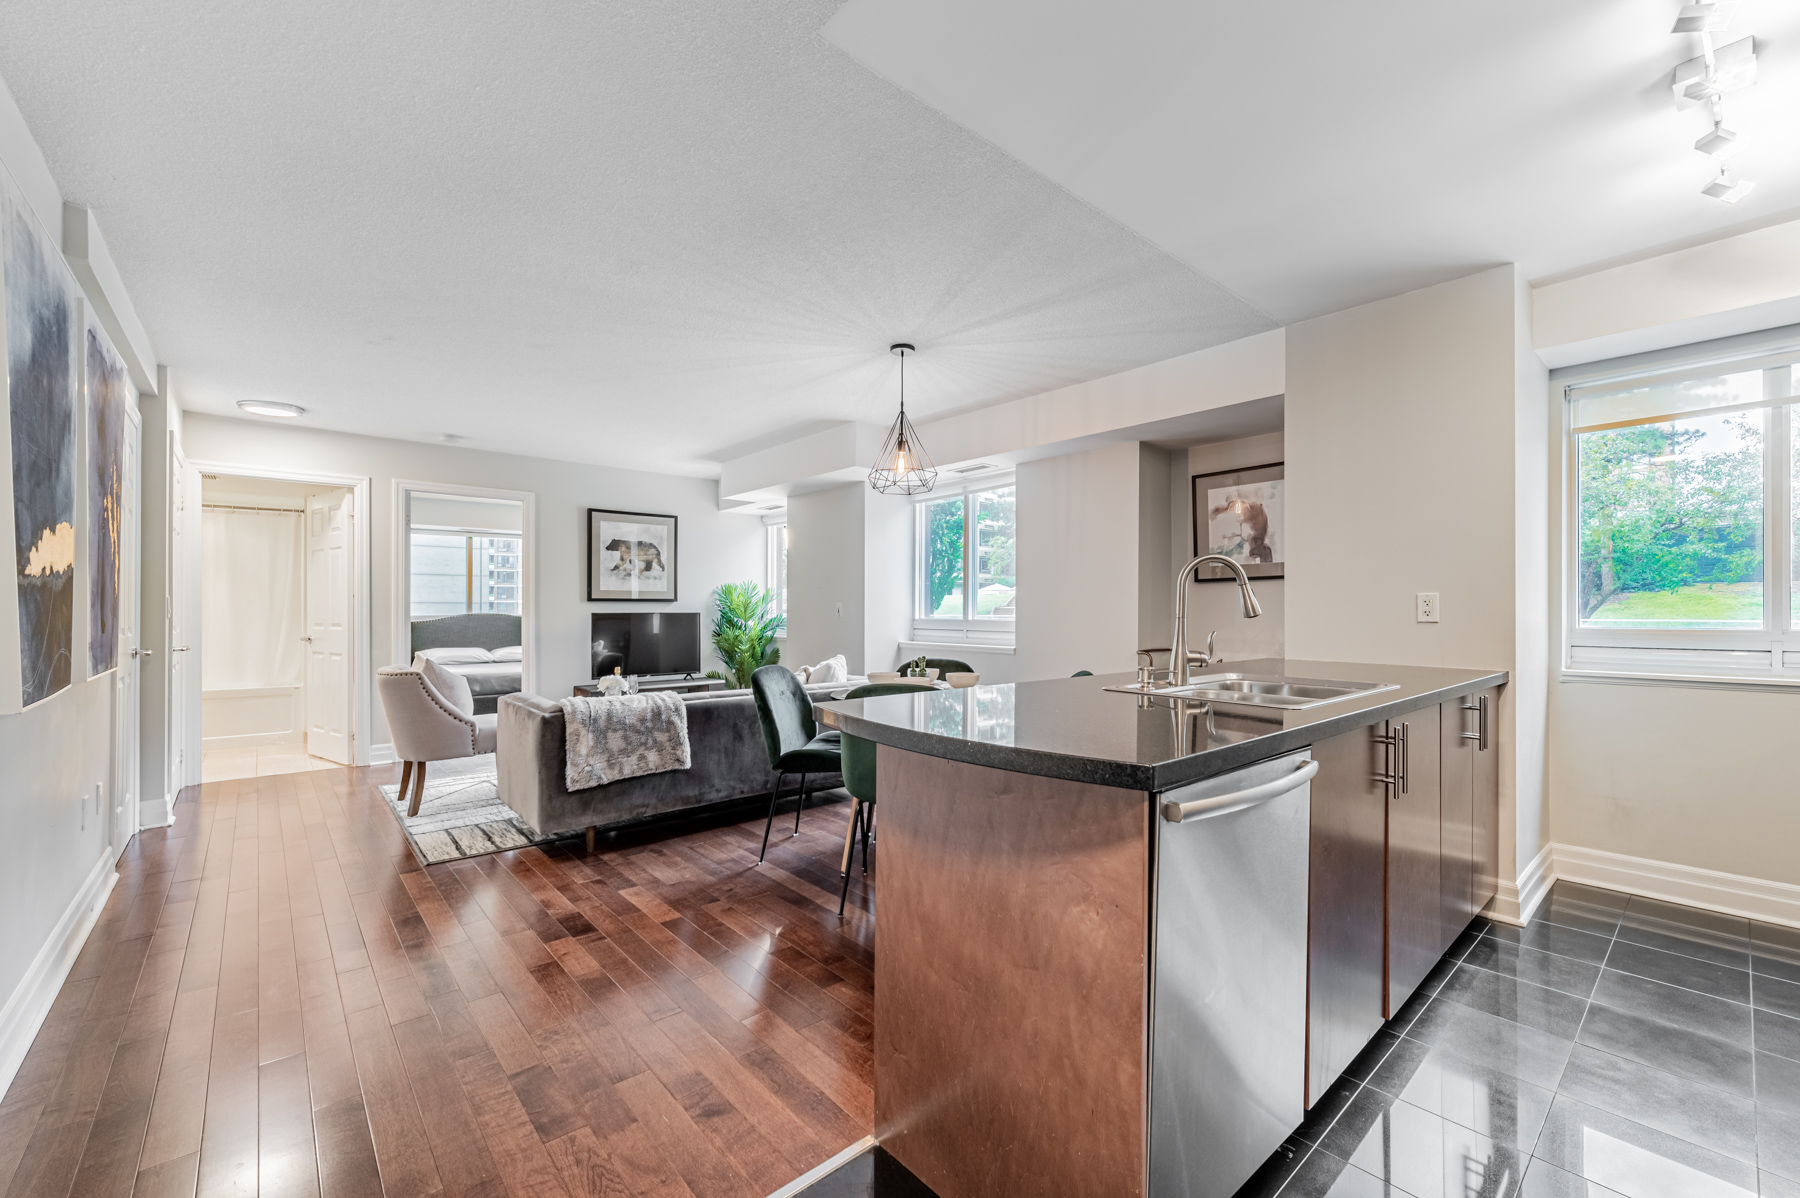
730, 761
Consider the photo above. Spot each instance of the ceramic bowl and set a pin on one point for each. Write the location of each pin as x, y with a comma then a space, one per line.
962, 680
877, 677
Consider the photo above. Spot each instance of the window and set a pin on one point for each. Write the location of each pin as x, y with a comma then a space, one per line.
967, 555
1683, 522
458, 572
778, 559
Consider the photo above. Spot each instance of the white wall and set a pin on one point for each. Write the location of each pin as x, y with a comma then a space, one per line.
715, 547
1079, 544
1215, 606
1413, 429
825, 577
55, 851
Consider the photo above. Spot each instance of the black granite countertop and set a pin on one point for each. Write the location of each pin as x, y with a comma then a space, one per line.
1076, 729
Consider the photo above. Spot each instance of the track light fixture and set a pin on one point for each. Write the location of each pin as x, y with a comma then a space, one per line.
1707, 79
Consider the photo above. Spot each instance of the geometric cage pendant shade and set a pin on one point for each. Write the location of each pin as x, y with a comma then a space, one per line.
902, 467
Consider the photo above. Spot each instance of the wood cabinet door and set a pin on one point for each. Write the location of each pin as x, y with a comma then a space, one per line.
1415, 922
1457, 834
1485, 807
1345, 896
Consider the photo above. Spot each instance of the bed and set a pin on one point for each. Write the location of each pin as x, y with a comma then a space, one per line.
487, 631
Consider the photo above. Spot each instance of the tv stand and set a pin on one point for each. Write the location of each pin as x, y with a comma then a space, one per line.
679, 685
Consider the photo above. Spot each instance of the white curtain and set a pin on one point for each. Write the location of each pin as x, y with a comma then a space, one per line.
251, 603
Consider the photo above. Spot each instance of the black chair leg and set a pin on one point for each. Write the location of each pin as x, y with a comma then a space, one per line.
802, 806
865, 840
856, 821
773, 795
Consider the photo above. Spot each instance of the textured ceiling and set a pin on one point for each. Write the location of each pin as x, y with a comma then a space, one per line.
649, 235
1313, 156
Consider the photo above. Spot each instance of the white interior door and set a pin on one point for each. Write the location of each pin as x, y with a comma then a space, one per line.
329, 630
179, 649
125, 678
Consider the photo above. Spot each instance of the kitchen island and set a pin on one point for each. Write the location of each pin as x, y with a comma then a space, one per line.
1126, 940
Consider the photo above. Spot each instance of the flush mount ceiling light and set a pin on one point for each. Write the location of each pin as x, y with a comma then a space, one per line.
902, 467
268, 407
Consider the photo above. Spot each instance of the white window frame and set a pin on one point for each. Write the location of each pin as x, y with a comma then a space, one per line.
1707, 657
775, 528
978, 630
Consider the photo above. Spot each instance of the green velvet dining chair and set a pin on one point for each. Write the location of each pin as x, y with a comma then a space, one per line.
859, 779
946, 666
791, 735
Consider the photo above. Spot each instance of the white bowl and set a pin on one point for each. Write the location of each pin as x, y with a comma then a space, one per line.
960, 681
879, 677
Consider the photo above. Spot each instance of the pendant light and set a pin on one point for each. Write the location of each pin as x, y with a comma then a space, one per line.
902, 467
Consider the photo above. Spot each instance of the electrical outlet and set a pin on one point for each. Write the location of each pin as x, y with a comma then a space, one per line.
1428, 607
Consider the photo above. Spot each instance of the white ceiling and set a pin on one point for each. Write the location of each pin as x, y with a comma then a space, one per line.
650, 235
1314, 156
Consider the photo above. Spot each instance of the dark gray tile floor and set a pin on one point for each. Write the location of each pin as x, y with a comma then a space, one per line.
1619, 1047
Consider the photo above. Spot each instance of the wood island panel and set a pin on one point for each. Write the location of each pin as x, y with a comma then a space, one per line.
1011, 980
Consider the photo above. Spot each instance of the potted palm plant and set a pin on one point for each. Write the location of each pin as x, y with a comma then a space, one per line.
744, 630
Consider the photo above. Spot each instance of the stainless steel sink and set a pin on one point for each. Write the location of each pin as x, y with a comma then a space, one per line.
1261, 690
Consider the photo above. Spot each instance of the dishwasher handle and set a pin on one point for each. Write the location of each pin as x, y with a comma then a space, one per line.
1237, 800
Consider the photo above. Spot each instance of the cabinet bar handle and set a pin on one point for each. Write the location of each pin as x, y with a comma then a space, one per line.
1405, 773
1480, 707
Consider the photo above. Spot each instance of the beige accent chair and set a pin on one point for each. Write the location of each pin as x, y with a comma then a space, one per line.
428, 727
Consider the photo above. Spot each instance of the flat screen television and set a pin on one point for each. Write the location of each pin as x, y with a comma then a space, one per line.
646, 642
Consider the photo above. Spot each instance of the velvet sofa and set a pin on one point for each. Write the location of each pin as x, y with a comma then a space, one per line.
730, 761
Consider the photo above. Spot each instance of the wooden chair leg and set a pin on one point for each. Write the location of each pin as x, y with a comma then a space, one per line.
773, 795
802, 806
856, 821
418, 794
850, 834
592, 830
405, 777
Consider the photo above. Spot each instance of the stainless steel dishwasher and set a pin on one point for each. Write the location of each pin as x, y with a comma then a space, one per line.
1228, 995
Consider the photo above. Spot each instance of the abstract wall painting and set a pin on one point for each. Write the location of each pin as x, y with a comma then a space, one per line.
1238, 513
631, 555
108, 389
40, 300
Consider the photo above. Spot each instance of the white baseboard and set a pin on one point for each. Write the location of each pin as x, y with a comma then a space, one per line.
30, 1000
382, 755
1517, 902
1732, 894
155, 813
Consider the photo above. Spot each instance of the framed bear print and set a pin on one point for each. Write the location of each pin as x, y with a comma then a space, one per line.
631, 556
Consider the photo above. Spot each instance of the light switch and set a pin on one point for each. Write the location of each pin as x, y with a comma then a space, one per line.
1428, 607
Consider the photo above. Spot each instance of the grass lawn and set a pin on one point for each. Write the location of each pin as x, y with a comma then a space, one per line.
1708, 605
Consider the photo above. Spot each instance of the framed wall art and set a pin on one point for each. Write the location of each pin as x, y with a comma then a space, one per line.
631, 556
1238, 513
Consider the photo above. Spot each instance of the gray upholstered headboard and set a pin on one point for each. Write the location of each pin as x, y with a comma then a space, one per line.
478, 630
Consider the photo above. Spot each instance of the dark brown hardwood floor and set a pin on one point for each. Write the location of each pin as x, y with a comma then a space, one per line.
279, 1000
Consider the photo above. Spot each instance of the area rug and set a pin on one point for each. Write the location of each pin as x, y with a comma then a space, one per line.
461, 814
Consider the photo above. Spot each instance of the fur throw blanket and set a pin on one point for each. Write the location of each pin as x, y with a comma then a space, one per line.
623, 736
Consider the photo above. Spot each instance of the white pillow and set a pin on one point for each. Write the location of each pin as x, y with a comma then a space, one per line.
464, 656
832, 669
510, 653
451, 687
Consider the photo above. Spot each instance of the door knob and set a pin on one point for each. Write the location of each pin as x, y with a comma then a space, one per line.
143, 652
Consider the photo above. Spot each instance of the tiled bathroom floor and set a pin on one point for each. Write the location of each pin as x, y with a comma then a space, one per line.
1617, 1046
222, 765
